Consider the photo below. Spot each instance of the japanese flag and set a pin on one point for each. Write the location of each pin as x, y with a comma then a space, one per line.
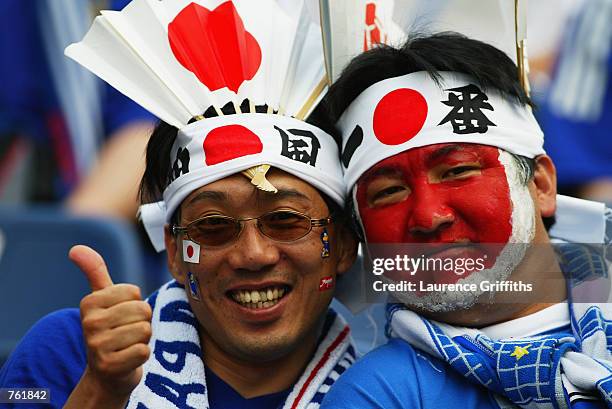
191, 252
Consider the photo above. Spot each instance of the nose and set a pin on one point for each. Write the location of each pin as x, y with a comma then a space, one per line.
253, 251
431, 212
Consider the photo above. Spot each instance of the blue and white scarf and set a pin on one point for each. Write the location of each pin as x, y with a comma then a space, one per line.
174, 377
547, 371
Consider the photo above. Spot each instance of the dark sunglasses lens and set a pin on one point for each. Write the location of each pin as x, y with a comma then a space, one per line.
213, 230
284, 226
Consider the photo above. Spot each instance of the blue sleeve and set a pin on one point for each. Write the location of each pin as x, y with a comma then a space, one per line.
51, 355
118, 111
396, 376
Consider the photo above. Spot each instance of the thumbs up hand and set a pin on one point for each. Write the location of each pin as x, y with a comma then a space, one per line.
116, 327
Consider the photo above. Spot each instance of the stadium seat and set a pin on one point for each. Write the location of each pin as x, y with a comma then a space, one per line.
36, 276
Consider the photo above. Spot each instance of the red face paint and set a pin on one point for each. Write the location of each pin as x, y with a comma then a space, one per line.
326, 283
444, 193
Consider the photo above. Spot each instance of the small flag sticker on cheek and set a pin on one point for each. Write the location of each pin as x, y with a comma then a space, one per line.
191, 252
326, 283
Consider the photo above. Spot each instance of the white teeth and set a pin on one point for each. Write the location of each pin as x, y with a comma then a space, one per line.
255, 299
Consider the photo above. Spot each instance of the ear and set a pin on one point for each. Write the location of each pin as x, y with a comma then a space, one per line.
545, 180
346, 246
174, 259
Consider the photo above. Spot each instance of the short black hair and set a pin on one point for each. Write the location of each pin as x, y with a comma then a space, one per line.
447, 51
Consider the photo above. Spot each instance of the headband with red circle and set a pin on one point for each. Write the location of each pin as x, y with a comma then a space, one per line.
214, 148
413, 110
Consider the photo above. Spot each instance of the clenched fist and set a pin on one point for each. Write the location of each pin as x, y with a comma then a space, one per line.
116, 325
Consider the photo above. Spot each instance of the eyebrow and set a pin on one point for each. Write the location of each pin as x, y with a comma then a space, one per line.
212, 195
388, 170
437, 154
217, 196
287, 194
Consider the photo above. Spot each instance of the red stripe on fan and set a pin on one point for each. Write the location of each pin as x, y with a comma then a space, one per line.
320, 364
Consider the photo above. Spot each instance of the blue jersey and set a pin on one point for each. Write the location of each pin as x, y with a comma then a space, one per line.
575, 115
396, 376
52, 355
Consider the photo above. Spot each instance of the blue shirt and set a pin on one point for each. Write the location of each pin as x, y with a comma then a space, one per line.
53, 355
575, 114
222, 396
396, 376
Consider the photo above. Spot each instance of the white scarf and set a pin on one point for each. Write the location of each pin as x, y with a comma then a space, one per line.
174, 376
533, 371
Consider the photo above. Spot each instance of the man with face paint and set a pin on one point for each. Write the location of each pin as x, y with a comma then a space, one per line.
443, 157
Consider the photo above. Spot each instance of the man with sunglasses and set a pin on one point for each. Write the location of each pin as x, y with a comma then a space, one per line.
246, 321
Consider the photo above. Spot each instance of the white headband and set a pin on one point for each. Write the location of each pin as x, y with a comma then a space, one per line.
411, 111
214, 148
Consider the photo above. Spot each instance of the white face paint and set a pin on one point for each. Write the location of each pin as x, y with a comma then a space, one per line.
523, 232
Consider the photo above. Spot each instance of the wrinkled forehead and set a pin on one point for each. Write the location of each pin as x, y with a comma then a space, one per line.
426, 158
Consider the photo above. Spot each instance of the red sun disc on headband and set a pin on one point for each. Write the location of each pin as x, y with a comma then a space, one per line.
230, 142
399, 116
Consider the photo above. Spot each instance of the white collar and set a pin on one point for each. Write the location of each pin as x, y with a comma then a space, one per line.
550, 318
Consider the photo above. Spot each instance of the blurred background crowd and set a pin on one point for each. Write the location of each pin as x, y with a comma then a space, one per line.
72, 148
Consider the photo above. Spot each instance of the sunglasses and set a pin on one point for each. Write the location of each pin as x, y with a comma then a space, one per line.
279, 225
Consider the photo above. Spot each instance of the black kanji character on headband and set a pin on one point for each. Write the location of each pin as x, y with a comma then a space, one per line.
467, 116
180, 165
300, 145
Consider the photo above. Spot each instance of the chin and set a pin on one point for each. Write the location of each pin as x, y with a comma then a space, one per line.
265, 348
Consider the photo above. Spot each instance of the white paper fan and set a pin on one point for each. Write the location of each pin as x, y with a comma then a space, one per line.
182, 58
353, 26
501, 23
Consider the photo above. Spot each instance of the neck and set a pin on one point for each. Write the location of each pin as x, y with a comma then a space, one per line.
252, 378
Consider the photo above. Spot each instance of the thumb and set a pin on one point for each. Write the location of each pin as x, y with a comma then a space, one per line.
93, 266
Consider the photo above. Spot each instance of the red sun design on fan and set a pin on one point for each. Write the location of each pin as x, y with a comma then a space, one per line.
214, 45
230, 142
399, 116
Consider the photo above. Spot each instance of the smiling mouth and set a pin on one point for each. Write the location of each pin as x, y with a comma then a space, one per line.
440, 248
261, 298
